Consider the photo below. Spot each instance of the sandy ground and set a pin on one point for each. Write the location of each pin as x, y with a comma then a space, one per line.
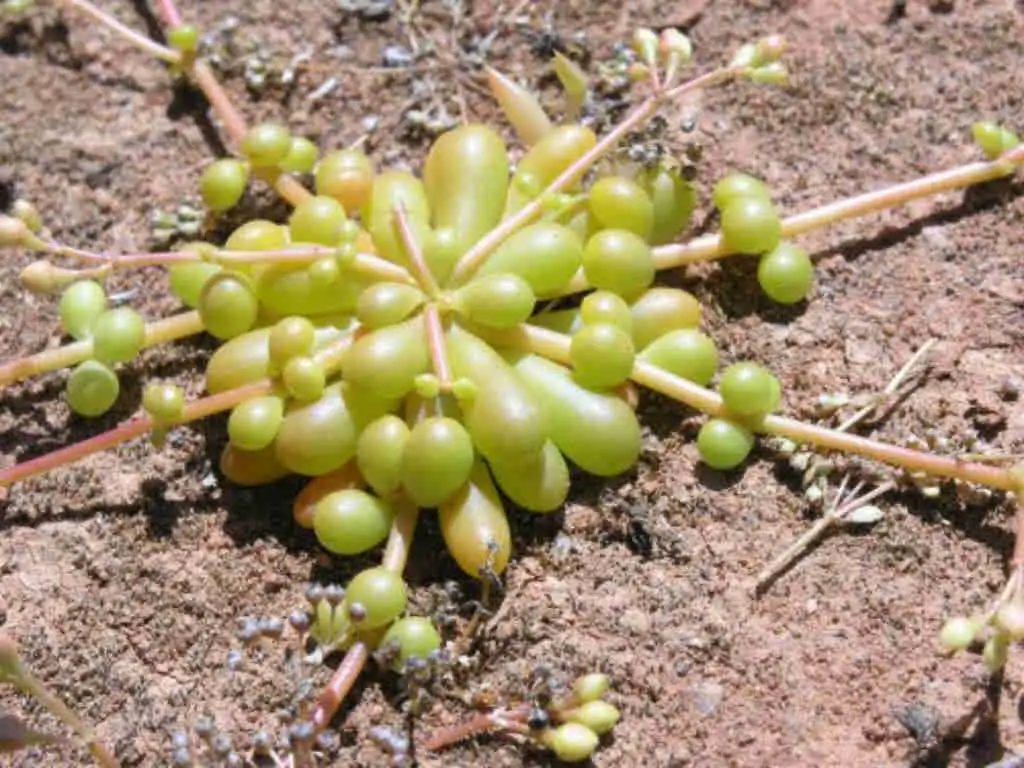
123, 576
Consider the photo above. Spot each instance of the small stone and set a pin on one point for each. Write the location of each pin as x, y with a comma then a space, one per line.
707, 696
397, 56
636, 621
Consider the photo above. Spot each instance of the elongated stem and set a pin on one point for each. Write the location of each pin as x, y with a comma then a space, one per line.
556, 347
198, 409
817, 531
363, 263
438, 347
30, 685
157, 332
234, 124
710, 247
474, 258
895, 383
421, 271
396, 554
169, 13
483, 722
138, 40
329, 358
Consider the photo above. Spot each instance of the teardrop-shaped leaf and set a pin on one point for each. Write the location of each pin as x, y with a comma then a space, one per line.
521, 108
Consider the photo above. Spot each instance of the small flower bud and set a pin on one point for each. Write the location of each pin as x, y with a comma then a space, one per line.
675, 43
746, 56
13, 232
427, 386
464, 390
771, 74
599, 716
571, 742
638, 71
26, 212
645, 43
770, 49
1010, 618
590, 687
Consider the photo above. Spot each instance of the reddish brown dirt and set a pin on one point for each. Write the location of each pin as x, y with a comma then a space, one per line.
122, 576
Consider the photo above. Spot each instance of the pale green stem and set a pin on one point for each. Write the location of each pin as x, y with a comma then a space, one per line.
555, 346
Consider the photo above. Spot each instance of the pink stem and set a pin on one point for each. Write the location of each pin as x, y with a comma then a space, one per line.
169, 13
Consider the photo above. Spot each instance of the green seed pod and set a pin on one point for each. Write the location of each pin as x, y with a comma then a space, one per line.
286, 289
571, 742
546, 255
606, 307
1010, 618
750, 225
474, 525
411, 637
590, 687
724, 444
251, 468
383, 304
619, 261
673, 199
347, 176
596, 430
350, 522
188, 278
379, 453
496, 301
92, 389
301, 157
80, 304
164, 402
321, 436
242, 360
686, 353
290, 337
661, 310
258, 235
266, 144
319, 220
436, 461
503, 417
602, 355
466, 180
616, 202
545, 160
223, 183
388, 360
381, 595
539, 483
228, 305
598, 716
304, 379
118, 335
253, 425
390, 190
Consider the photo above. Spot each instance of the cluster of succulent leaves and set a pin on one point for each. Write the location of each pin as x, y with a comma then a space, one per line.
358, 405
